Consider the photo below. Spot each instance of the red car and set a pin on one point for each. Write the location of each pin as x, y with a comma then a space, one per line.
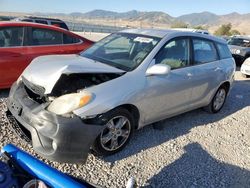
21, 42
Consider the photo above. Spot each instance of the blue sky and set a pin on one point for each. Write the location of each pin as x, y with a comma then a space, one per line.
172, 7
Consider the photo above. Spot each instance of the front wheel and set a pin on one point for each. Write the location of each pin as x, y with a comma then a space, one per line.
218, 101
116, 134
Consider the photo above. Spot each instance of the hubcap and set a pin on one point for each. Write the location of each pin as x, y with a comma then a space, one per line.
219, 99
116, 133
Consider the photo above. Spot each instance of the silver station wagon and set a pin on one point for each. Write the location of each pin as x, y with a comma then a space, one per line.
66, 105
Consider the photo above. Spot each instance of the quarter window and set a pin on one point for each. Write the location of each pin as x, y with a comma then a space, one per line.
60, 24
224, 51
11, 36
204, 51
175, 54
67, 39
45, 37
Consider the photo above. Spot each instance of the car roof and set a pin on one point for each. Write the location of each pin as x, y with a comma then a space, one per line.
40, 18
150, 32
161, 33
44, 26
241, 37
31, 24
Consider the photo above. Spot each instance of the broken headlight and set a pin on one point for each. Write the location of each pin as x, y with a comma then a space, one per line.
70, 102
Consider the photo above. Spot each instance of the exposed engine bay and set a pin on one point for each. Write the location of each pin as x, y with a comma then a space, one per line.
71, 83
75, 82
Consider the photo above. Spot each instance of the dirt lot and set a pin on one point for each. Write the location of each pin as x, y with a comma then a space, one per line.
195, 149
92, 36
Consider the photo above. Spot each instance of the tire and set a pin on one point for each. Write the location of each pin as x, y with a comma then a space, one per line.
113, 139
218, 100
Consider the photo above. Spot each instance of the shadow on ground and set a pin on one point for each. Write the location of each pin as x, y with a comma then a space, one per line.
172, 128
197, 168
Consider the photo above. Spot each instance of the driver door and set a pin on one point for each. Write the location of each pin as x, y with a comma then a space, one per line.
168, 95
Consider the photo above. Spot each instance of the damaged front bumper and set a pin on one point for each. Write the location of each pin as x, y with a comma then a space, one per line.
54, 137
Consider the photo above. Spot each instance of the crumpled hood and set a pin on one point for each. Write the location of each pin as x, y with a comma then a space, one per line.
46, 70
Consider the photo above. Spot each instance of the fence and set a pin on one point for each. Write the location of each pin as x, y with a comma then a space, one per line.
83, 27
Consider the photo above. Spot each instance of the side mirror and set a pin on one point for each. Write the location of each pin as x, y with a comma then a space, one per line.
158, 69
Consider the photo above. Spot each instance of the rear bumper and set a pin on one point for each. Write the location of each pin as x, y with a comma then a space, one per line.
54, 137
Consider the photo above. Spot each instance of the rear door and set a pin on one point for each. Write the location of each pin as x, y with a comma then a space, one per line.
43, 42
206, 69
47, 42
13, 57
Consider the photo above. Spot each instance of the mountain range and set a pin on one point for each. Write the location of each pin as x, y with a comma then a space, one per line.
157, 19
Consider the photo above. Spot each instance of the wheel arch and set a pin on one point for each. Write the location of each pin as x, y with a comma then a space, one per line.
134, 112
227, 86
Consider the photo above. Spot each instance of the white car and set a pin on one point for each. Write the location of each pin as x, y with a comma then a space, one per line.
66, 105
245, 68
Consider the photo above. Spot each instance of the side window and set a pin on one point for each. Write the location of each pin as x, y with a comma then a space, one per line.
45, 37
11, 36
175, 54
41, 22
27, 20
60, 24
67, 39
204, 51
224, 51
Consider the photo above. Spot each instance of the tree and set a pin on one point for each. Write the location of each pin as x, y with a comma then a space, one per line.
226, 30
235, 32
200, 27
179, 24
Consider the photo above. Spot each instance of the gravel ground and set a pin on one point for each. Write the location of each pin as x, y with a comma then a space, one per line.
195, 149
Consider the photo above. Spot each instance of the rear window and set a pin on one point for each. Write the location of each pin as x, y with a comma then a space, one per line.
45, 37
11, 36
224, 51
67, 39
243, 42
27, 20
204, 51
60, 24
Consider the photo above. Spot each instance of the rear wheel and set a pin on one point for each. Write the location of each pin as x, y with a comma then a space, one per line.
117, 132
218, 100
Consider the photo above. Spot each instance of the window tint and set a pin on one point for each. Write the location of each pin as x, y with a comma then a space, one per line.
11, 36
67, 39
27, 20
224, 51
60, 24
243, 42
41, 21
204, 51
45, 37
175, 54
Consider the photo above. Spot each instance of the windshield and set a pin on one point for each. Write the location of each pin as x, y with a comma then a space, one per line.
122, 50
239, 42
